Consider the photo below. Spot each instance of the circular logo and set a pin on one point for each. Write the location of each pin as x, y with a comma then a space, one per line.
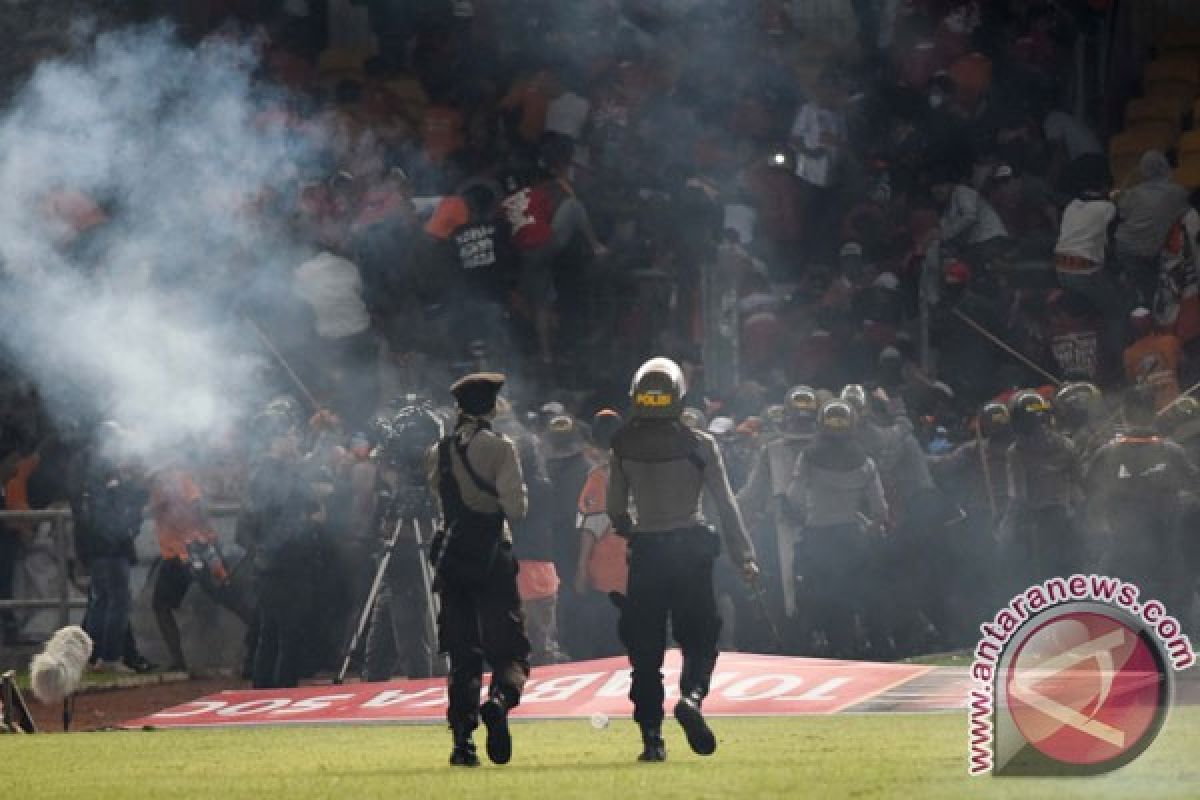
1088, 688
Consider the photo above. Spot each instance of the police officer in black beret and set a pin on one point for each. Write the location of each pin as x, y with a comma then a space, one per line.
476, 476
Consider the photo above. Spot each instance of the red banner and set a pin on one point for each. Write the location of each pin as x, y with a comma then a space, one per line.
744, 685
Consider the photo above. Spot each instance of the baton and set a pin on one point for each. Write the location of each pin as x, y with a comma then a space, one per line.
267, 343
991, 337
759, 596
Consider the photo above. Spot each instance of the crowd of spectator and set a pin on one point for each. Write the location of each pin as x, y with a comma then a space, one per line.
547, 187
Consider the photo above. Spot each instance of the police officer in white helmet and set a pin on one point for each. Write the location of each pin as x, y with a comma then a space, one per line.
660, 467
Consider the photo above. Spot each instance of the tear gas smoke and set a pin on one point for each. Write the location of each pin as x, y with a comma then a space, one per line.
128, 177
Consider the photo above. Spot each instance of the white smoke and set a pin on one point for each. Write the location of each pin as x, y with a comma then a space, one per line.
137, 316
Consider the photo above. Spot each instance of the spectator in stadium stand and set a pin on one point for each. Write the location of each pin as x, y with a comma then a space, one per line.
969, 225
1153, 358
1075, 333
1145, 213
1177, 301
1081, 256
819, 138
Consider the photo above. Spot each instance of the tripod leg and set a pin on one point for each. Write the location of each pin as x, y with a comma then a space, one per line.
364, 618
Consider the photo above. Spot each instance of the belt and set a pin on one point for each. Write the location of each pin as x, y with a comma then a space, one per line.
688, 535
1070, 263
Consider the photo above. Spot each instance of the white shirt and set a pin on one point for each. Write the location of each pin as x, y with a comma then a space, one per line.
567, 114
1078, 139
332, 287
1083, 231
811, 125
969, 216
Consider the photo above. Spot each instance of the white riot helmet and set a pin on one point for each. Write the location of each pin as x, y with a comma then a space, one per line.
658, 389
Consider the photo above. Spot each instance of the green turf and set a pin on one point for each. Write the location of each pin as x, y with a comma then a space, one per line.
907, 756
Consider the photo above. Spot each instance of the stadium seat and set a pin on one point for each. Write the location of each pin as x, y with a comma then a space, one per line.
1189, 144
1179, 36
1170, 71
1144, 136
1154, 108
1188, 174
1179, 91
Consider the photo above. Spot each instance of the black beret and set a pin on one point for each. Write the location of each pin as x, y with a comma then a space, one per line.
476, 393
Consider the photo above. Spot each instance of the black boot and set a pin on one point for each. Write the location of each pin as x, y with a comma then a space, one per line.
499, 741
699, 736
653, 746
463, 754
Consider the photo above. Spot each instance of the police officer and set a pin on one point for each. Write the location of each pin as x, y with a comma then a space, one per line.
663, 466
973, 476
1135, 481
1043, 482
1079, 410
476, 476
277, 525
837, 495
766, 488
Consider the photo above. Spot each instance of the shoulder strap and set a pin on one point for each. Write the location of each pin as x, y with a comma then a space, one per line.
482, 485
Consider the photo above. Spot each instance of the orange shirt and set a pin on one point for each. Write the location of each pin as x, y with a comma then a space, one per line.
16, 490
608, 567
450, 215
1154, 361
175, 505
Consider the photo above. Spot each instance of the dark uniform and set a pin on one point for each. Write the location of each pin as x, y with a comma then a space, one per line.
663, 466
766, 492
837, 495
277, 526
973, 477
476, 475
1135, 482
1043, 484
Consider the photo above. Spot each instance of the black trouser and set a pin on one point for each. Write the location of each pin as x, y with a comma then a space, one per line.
670, 578
1046, 543
279, 652
171, 584
835, 571
483, 621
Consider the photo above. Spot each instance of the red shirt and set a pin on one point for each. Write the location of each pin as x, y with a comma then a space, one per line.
530, 212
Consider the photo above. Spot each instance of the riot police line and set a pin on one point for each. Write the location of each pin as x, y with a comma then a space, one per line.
854, 542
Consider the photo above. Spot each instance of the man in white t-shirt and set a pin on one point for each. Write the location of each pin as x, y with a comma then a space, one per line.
332, 288
969, 223
818, 134
347, 354
1081, 254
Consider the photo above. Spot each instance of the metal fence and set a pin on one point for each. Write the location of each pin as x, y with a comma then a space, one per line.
61, 527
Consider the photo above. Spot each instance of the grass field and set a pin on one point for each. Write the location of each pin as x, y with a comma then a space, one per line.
883, 755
